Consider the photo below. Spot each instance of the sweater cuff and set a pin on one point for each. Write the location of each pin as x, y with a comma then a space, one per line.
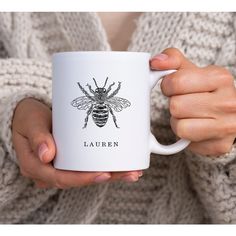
221, 159
7, 117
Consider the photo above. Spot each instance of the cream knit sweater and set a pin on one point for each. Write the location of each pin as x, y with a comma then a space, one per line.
182, 188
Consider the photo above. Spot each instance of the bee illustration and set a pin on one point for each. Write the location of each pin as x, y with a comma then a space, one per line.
100, 103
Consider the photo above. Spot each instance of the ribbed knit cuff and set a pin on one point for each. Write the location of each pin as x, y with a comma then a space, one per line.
222, 159
6, 122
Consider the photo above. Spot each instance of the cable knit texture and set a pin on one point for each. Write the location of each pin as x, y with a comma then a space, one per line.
181, 188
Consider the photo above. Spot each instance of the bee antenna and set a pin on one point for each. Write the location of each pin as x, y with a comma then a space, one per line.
105, 83
95, 82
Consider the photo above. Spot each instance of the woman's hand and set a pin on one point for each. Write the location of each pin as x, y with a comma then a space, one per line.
202, 102
35, 149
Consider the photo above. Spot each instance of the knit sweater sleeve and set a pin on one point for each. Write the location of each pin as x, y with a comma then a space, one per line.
20, 79
214, 178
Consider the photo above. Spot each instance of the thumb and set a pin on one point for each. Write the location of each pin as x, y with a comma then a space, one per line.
33, 120
42, 143
39, 134
170, 58
44, 147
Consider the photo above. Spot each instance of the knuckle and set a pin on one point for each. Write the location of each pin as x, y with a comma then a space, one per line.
41, 136
224, 71
226, 78
175, 107
181, 129
178, 83
171, 85
41, 185
172, 50
42, 110
227, 128
214, 69
173, 124
24, 173
227, 106
211, 68
220, 74
34, 142
38, 138
60, 183
165, 87
223, 147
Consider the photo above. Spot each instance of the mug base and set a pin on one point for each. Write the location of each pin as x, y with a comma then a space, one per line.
101, 169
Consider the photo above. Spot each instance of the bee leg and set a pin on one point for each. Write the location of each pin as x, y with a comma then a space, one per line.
113, 116
85, 92
90, 89
109, 88
115, 91
86, 121
86, 118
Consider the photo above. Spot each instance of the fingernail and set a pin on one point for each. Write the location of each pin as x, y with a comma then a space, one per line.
140, 173
102, 178
160, 57
43, 148
130, 178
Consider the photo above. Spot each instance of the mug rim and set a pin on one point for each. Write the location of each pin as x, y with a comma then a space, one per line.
100, 52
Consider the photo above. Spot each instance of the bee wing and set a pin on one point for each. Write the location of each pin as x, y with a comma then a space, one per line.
118, 104
82, 103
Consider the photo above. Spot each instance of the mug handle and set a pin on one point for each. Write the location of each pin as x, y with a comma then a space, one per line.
155, 146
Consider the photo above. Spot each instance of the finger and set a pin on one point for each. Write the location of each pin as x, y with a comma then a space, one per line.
33, 168
195, 105
127, 176
187, 81
197, 80
65, 179
196, 130
213, 147
170, 58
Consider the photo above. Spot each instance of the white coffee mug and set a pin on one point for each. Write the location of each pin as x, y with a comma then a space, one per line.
101, 111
